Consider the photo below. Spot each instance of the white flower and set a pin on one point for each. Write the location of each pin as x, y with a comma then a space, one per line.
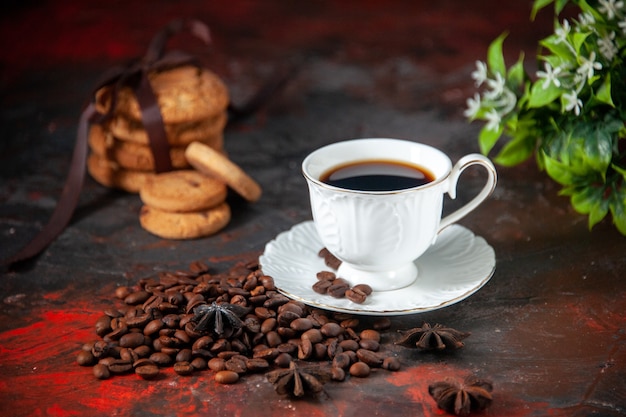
549, 76
493, 120
622, 25
589, 65
610, 7
572, 102
496, 86
480, 74
473, 105
561, 32
607, 47
586, 20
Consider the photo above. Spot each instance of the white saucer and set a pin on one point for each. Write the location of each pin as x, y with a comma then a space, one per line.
455, 267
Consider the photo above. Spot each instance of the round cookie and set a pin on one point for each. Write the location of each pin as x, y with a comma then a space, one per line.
209, 130
139, 157
184, 225
213, 163
100, 140
183, 94
129, 155
109, 174
182, 191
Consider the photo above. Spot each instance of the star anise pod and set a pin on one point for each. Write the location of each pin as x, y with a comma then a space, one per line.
437, 337
222, 319
296, 381
473, 394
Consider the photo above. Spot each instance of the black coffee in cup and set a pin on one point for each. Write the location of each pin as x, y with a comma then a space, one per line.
377, 175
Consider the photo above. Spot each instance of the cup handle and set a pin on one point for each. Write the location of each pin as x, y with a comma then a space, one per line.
490, 185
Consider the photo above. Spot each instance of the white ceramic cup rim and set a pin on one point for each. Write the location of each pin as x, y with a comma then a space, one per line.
321, 161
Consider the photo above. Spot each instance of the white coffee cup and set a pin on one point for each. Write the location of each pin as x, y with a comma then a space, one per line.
378, 235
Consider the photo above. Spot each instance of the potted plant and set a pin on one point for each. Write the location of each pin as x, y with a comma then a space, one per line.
570, 114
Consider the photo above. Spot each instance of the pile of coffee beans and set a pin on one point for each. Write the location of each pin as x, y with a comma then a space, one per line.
154, 328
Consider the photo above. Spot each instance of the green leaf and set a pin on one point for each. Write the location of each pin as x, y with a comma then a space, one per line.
495, 58
516, 73
516, 151
540, 96
598, 150
604, 92
538, 5
559, 49
558, 171
620, 170
488, 138
617, 206
598, 212
585, 198
578, 39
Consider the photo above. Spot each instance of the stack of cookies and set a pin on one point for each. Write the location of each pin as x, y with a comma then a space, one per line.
191, 203
193, 103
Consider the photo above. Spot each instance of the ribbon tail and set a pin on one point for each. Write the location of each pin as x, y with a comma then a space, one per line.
153, 123
69, 196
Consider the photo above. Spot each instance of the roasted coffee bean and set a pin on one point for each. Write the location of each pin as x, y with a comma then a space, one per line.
286, 318
128, 354
138, 297
349, 344
268, 325
153, 327
338, 289
364, 288
257, 365
122, 292
382, 323
331, 329
236, 364
147, 371
350, 323
120, 366
287, 332
264, 313
131, 340
369, 344
184, 355
342, 360
226, 377
267, 354
356, 296
370, 334
321, 287
101, 371
283, 360
267, 282
100, 349
360, 370
391, 363
305, 350
337, 374
103, 325
333, 347
326, 276
301, 324
85, 358
217, 364
371, 358
273, 339
314, 335
161, 359
319, 351
183, 368
199, 364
